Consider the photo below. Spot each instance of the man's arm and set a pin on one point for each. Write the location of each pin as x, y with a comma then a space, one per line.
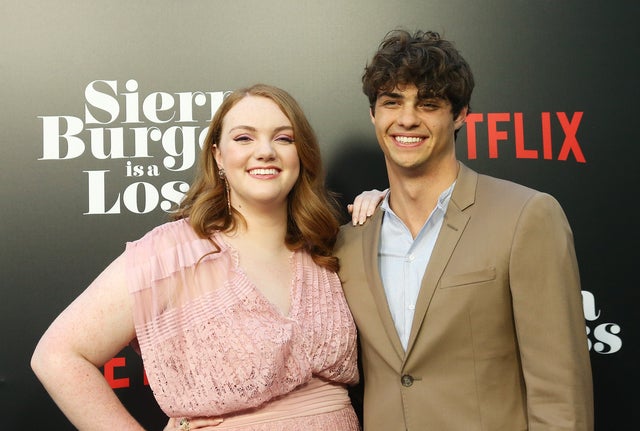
549, 319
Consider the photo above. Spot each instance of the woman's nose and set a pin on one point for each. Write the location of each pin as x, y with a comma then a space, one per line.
265, 149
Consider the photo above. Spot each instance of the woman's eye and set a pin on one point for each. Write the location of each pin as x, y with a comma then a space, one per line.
242, 138
284, 138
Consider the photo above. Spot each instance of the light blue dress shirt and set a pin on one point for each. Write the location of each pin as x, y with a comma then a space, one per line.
403, 260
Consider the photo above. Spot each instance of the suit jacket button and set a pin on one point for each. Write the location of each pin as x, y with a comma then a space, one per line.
406, 380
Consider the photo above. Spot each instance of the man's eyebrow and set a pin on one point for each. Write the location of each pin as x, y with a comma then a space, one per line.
390, 94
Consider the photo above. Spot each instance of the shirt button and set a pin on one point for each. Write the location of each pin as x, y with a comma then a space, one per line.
406, 380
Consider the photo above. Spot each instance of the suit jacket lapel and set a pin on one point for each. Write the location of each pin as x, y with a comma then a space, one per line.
454, 223
370, 246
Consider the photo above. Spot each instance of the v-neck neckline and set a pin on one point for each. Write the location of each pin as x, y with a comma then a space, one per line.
294, 266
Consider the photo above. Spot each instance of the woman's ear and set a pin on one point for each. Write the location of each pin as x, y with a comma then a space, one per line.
217, 156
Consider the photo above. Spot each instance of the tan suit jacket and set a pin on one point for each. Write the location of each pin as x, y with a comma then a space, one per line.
498, 339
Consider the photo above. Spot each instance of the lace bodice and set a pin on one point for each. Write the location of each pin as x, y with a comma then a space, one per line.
211, 343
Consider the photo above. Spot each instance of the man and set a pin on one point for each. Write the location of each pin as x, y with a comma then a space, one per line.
465, 288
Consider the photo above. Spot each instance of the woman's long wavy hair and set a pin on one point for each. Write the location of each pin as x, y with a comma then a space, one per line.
312, 215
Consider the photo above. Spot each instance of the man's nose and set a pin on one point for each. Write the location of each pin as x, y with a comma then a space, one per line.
408, 117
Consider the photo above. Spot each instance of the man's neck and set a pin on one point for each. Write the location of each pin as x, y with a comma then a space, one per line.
413, 198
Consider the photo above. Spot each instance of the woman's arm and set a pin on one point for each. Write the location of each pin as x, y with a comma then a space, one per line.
90, 331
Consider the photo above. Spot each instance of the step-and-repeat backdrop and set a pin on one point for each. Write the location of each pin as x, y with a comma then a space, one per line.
105, 104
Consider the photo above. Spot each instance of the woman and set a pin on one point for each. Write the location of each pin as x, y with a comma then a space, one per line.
235, 305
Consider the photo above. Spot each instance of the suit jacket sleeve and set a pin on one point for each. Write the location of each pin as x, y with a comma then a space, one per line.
549, 319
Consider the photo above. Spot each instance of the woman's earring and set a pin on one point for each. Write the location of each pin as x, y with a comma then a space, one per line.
223, 176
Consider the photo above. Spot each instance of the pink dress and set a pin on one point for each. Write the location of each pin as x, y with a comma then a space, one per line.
214, 346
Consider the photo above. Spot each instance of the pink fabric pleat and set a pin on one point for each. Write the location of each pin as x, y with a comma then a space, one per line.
212, 344
317, 405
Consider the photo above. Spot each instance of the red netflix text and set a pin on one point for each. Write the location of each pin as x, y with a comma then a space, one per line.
506, 129
114, 367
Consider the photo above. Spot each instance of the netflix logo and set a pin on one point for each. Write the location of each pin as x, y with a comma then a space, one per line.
552, 136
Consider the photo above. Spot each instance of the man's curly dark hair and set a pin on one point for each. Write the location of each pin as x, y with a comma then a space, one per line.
423, 59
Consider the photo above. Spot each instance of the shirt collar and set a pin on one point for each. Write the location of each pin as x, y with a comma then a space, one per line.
443, 200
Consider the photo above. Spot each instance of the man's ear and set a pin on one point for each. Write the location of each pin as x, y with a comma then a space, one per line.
460, 119
372, 114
